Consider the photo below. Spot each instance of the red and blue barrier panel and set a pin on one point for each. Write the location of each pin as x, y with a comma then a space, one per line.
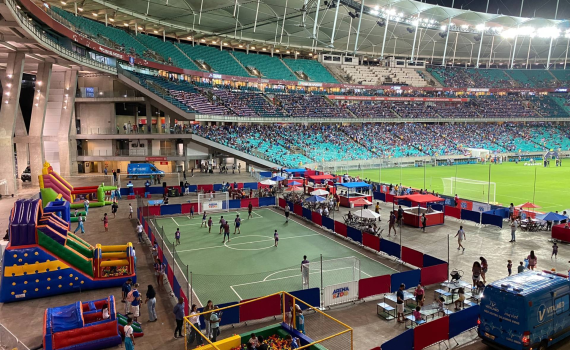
390, 248
371, 241
235, 203
469, 215
310, 296
328, 223
463, 320
354, 234
431, 333
254, 202
266, 201
307, 214
404, 341
171, 209
259, 309
368, 287
409, 278
434, 274
340, 228
491, 219
230, 316
453, 212
412, 257
297, 209
317, 218
431, 261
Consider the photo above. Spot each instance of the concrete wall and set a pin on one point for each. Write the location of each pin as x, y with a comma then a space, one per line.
100, 147
95, 116
102, 82
195, 150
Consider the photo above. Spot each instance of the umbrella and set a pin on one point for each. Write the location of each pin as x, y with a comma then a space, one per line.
551, 217
294, 183
294, 189
320, 192
315, 199
268, 182
277, 178
367, 214
528, 205
361, 201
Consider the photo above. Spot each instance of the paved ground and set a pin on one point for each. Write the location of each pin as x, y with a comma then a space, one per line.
369, 329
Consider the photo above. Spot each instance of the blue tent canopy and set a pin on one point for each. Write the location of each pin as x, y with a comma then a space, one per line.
67, 317
315, 199
295, 170
551, 217
354, 185
277, 178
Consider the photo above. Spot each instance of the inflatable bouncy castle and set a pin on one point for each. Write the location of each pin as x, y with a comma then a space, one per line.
54, 187
80, 326
43, 258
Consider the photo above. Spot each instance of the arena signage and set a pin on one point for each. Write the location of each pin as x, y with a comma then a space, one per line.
388, 98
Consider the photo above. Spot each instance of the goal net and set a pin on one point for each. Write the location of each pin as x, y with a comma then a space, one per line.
213, 202
480, 191
330, 272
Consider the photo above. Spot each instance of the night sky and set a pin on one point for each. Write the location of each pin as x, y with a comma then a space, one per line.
531, 8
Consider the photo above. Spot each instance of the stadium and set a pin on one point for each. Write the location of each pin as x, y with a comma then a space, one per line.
382, 174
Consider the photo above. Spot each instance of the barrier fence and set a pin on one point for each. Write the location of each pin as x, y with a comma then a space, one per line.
433, 332
319, 330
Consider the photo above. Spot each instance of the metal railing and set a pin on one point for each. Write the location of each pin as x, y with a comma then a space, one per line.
109, 94
129, 152
40, 35
116, 131
9, 341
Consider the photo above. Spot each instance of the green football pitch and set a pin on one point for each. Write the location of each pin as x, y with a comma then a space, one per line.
250, 266
515, 183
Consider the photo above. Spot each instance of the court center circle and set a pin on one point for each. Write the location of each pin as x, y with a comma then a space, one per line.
266, 239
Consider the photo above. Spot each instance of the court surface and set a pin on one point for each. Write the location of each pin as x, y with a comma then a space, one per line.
515, 183
250, 266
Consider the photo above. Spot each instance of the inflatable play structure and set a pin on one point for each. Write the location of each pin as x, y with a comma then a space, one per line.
43, 258
80, 326
54, 187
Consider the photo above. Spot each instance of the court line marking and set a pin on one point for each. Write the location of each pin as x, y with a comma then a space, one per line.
260, 241
195, 224
232, 288
174, 221
354, 250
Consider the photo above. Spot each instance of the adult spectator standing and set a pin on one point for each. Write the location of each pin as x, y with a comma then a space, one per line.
178, 312
114, 175
215, 324
79, 224
287, 212
207, 309
392, 223
512, 213
114, 208
400, 303
150, 302
460, 238
513, 230
484, 268
159, 270
476, 270
195, 320
456, 201
126, 289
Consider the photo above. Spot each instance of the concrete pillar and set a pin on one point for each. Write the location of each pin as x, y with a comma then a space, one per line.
11, 82
41, 95
167, 124
67, 111
21, 146
148, 118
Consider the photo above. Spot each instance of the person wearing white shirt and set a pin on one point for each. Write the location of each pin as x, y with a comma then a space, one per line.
140, 231
326, 212
105, 312
320, 211
195, 320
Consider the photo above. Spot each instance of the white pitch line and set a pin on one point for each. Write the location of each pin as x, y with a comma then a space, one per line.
292, 276
232, 287
354, 250
260, 241
174, 221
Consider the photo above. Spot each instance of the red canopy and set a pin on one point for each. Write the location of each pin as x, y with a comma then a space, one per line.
320, 177
528, 205
421, 198
361, 201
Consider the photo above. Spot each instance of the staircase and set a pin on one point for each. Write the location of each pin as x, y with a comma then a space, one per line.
198, 65
431, 78
244, 68
337, 72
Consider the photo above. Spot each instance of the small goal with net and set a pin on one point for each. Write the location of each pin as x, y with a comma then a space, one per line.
480, 191
329, 272
213, 202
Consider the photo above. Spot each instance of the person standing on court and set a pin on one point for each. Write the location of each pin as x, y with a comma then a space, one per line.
237, 225
179, 315
226, 228
287, 212
177, 236
305, 271
513, 230
460, 238
249, 210
400, 215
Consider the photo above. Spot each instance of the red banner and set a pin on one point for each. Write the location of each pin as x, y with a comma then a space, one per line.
340, 228
412, 257
433, 274
431, 333
453, 212
317, 218
266, 307
154, 159
371, 241
561, 233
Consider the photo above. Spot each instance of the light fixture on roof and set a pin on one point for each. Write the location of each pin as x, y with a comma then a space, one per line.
94, 14
126, 24
156, 32
80, 9
240, 45
214, 42
480, 27
112, 19
63, 3
203, 40
226, 44
277, 50
288, 51
253, 47
310, 54
189, 38
464, 26
374, 12
264, 49
443, 27
375, 59
140, 28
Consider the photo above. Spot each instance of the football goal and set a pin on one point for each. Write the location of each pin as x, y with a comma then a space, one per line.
213, 202
480, 191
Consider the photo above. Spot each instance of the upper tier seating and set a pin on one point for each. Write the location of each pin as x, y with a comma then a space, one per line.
311, 107
532, 78
220, 61
269, 67
470, 77
168, 50
248, 104
375, 75
504, 107
125, 42
563, 76
548, 107
312, 68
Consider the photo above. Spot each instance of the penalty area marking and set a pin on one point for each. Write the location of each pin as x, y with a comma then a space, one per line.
268, 239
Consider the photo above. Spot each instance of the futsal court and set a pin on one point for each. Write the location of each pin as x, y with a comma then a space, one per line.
249, 265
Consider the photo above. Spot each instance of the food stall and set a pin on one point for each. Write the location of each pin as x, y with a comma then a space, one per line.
350, 192
421, 204
319, 182
561, 233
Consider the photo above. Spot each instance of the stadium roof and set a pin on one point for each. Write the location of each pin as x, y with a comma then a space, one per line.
289, 25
